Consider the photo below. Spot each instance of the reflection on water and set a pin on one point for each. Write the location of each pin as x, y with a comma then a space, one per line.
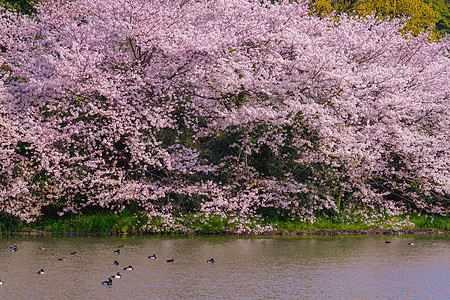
245, 268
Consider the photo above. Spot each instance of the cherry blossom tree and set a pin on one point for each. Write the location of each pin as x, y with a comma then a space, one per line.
229, 107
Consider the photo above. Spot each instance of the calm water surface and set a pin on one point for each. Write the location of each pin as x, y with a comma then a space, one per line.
245, 268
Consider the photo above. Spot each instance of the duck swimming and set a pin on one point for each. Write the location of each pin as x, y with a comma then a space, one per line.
118, 275
170, 260
62, 258
129, 268
107, 282
73, 253
116, 263
211, 260
152, 256
117, 251
14, 248
1, 282
411, 243
41, 272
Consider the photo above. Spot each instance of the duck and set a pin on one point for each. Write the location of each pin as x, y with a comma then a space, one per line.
387, 242
411, 243
73, 253
107, 282
116, 263
41, 272
129, 268
211, 260
120, 246
118, 275
41, 248
170, 260
117, 251
152, 256
62, 258
1, 282
14, 248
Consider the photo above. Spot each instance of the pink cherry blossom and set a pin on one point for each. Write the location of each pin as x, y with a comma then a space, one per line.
242, 104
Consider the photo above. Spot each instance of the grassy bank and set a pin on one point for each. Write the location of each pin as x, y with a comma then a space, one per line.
412, 221
106, 223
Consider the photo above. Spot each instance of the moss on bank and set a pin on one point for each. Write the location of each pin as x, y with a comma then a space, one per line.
107, 223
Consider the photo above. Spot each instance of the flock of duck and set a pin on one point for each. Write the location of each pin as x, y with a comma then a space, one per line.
129, 268
116, 263
410, 243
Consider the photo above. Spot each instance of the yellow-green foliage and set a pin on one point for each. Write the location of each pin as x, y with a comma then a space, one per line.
442, 7
421, 15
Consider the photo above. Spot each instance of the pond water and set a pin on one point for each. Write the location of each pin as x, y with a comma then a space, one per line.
244, 268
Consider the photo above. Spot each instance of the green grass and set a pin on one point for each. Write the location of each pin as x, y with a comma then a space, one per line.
319, 224
107, 223
99, 223
420, 222
438, 222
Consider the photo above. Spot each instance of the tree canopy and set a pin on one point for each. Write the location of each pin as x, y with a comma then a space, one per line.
225, 107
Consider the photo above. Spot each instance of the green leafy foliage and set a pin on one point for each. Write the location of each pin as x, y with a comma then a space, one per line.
442, 7
24, 6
